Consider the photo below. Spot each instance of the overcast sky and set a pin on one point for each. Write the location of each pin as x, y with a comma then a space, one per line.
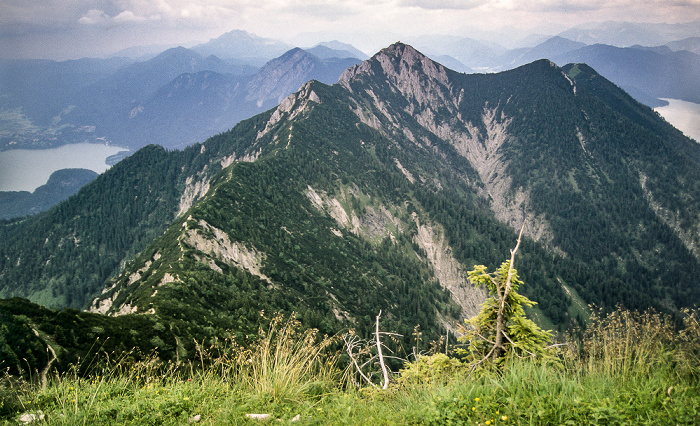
63, 29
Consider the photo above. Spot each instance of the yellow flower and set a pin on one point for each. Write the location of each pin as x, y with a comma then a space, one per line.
476, 399
473, 408
488, 422
504, 418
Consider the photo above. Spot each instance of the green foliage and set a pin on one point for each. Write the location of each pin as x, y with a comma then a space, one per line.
63, 257
579, 151
222, 389
523, 338
82, 341
429, 369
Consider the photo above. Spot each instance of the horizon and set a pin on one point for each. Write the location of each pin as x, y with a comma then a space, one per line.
100, 28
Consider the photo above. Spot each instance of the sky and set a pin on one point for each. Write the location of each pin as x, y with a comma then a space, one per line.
70, 29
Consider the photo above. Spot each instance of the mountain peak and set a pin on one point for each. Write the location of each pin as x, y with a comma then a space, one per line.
399, 62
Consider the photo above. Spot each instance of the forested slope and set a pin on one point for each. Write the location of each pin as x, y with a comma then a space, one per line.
379, 193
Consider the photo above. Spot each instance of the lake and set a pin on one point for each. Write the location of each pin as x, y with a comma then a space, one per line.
685, 116
27, 169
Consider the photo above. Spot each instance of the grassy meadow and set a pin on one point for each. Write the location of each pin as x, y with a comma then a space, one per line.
625, 369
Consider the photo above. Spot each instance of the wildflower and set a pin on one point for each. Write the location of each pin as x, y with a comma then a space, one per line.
504, 418
473, 408
488, 422
476, 399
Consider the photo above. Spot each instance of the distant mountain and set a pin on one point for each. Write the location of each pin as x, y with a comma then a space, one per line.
177, 98
143, 53
174, 99
652, 72
625, 34
36, 95
243, 46
474, 54
61, 185
196, 105
379, 192
551, 48
284, 75
691, 44
453, 64
336, 49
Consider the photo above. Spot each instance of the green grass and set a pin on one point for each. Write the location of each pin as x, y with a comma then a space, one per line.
628, 369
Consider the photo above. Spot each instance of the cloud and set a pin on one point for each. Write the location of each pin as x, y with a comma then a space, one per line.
647, 7
371, 21
129, 16
444, 4
522, 5
94, 17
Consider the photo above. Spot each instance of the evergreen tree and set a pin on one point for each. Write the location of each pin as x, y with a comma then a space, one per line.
501, 330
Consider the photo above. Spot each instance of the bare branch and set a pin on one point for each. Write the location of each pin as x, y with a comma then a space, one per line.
500, 320
379, 352
510, 268
350, 345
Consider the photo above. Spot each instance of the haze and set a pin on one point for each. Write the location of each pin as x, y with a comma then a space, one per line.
69, 29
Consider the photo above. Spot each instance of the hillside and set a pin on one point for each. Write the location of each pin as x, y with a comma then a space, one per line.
379, 193
61, 185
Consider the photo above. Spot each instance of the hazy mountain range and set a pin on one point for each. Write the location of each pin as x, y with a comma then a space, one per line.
182, 96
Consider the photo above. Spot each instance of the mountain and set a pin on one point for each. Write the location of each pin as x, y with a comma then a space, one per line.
379, 193
61, 185
691, 44
109, 103
194, 106
244, 46
453, 64
174, 99
653, 72
624, 34
37, 94
472, 53
550, 48
642, 71
336, 49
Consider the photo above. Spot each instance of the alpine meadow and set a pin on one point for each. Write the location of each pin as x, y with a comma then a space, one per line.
326, 262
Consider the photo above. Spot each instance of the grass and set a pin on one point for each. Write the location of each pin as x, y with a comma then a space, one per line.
628, 369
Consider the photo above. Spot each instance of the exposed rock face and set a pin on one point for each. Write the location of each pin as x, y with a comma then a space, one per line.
377, 222
193, 191
430, 94
291, 106
222, 248
690, 236
281, 76
447, 270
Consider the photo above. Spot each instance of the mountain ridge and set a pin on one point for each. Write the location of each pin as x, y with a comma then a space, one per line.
379, 192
